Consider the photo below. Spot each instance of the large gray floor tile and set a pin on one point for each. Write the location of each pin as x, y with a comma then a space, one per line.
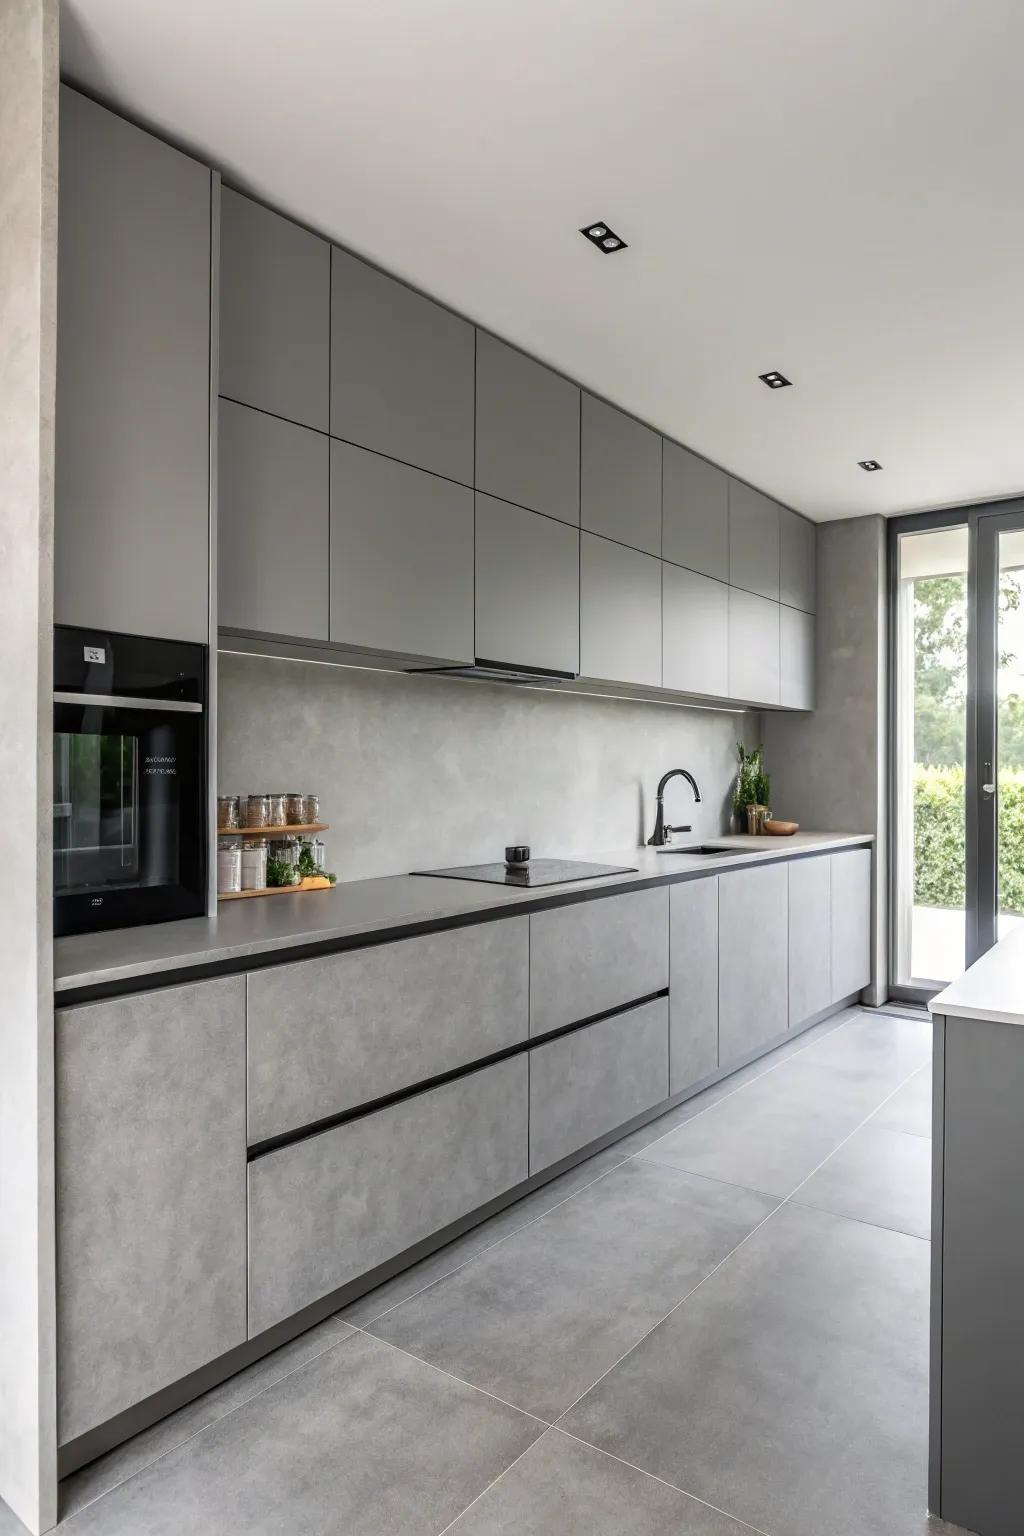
120, 1464
772, 1134
791, 1389
880, 1176
539, 1318
887, 1048
10, 1525
362, 1440
454, 1254
563, 1488
910, 1108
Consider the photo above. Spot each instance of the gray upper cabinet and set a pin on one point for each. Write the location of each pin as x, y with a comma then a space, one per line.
753, 540
133, 380
810, 938
693, 946
527, 431
151, 1224
620, 613
695, 632
401, 558
275, 305
272, 499
527, 588
797, 561
851, 922
753, 959
401, 371
753, 648
796, 658
620, 477
695, 513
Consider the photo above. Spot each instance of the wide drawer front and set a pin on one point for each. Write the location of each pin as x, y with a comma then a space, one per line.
326, 1036
596, 955
326, 1210
596, 1078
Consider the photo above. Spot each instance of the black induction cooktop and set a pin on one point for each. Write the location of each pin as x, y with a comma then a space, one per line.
537, 872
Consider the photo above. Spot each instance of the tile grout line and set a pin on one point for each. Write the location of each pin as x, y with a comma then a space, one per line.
400, 1349
860, 1221
492, 1484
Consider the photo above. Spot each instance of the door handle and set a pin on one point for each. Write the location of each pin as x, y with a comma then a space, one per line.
988, 789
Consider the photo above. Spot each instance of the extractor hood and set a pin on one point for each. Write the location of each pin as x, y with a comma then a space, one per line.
501, 672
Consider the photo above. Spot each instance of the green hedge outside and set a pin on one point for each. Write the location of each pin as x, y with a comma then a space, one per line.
939, 838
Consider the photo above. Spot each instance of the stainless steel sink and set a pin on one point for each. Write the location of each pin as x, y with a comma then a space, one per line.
702, 848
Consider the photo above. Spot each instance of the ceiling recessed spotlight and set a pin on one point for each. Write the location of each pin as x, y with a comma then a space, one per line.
869, 464
775, 380
604, 238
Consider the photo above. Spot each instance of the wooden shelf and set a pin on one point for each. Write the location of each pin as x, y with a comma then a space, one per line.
273, 890
313, 826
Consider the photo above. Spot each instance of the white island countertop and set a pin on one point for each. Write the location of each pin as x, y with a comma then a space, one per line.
391, 906
992, 988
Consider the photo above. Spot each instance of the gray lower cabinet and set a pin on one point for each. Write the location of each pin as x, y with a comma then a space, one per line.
796, 658
620, 613
401, 558
695, 632
527, 588
753, 950
527, 431
620, 477
810, 937
151, 1227
851, 922
132, 492
753, 648
327, 1035
596, 955
693, 947
401, 371
594, 1079
326, 1210
695, 513
754, 540
275, 305
796, 561
272, 497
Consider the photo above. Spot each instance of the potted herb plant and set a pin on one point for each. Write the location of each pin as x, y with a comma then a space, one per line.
752, 795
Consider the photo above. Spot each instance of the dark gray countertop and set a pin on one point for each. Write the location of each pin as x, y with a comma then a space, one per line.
369, 909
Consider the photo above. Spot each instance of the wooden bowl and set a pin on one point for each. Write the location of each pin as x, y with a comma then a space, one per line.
781, 828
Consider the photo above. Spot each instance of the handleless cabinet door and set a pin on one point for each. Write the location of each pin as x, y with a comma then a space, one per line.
753, 964
527, 588
695, 529
151, 1225
753, 648
272, 495
695, 632
693, 981
851, 922
275, 306
401, 558
401, 371
753, 540
527, 431
797, 561
796, 658
620, 613
330, 1208
594, 1079
596, 955
620, 483
810, 937
325, 1036
132, 494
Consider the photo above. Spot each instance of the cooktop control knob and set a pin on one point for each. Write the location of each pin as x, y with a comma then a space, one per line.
518, 856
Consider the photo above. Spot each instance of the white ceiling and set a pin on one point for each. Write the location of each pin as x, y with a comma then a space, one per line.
832, 188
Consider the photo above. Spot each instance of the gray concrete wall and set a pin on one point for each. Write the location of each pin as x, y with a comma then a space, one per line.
427, 771
28, 259
829, 768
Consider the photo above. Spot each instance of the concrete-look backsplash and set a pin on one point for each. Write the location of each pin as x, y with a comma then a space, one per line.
420, 772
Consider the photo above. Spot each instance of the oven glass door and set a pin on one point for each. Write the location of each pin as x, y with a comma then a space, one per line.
129, 823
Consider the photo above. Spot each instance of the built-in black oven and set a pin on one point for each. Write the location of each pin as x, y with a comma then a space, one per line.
129, 780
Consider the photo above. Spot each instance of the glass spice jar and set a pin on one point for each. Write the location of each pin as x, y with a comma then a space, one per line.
254, 866
257, 811
294, 810
286, 849
229, 868
310, 810
277, 810
228, 811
